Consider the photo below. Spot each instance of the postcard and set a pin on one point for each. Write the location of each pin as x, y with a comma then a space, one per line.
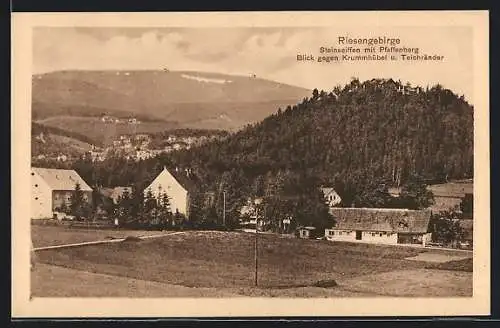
250, 164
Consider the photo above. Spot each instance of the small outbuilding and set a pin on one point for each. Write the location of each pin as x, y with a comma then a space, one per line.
306, 232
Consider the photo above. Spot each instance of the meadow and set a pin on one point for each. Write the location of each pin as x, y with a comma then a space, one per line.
224, 262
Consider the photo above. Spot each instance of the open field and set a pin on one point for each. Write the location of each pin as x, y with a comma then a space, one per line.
104, 133
43, 236
219, 264
55, 281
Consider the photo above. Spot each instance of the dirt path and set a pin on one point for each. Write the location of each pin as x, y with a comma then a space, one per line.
54, 281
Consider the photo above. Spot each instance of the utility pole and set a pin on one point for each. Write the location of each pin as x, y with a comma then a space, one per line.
256, 250
224, 209
256, 254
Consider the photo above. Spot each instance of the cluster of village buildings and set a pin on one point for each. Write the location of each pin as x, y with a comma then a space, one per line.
54, 187
139, 146
112, 119
379, 83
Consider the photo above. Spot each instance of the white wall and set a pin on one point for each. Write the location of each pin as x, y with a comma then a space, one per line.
340, 235
177, 194
41, 198
366, 237
426, 238
380, 237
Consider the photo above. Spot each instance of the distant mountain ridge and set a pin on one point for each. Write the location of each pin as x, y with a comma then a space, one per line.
196, 99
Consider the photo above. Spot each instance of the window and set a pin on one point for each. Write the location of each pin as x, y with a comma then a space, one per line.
380, 234
36, 185
36, 198
32, 173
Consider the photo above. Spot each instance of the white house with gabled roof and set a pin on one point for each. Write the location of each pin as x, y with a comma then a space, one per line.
177, 187
332, 198
52, 189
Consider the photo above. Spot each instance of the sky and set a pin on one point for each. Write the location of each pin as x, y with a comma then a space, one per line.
267, 52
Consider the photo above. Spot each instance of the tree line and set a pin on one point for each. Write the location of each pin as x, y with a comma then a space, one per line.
361, 139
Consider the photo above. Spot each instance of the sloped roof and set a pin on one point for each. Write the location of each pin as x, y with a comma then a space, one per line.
456, 189
186, 182
59, 179
114, 193
453, 189
328, 190
106, 192
381, 219
119, 191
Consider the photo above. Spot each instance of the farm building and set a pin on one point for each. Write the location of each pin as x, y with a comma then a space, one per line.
114, 194
306, 232
176, 185
332, 198
381, 226
446, 195
51, 188
450, 195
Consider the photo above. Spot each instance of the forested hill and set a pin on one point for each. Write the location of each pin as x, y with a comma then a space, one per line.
356, 138
356, 135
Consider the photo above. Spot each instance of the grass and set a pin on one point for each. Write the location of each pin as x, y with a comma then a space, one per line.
465, 265
55, 281
221, 264
59, 235
413, 283
218, 259
103, 132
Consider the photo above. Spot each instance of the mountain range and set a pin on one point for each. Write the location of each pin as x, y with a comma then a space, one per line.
180, 99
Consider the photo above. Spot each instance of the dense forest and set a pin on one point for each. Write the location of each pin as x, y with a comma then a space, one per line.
361, 138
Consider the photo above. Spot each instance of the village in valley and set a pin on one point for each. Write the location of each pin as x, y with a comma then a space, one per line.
133, 146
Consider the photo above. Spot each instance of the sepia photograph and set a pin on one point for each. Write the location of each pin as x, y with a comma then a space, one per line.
270, 159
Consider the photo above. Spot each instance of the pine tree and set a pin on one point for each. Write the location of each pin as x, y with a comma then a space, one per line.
77, 202
415, 195
149, 214
467, 204
165, 212
124, 208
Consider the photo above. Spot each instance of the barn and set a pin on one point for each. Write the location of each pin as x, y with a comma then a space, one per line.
380, 226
